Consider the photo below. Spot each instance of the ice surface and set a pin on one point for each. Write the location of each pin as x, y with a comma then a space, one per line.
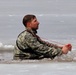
49, 68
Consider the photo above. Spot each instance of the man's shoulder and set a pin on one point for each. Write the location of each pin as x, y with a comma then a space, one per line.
24, 33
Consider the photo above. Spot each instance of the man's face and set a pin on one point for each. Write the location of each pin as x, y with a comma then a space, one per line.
34, 24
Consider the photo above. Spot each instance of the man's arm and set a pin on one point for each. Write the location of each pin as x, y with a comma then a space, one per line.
40, 48
48, 44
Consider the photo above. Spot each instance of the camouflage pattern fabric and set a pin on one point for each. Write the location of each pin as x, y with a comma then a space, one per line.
30, 46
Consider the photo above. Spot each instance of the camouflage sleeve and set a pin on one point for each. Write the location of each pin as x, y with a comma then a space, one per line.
41, 48
50, 44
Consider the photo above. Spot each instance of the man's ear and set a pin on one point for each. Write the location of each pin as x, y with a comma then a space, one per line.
28, 24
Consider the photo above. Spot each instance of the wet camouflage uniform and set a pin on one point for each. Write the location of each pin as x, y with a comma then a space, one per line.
30, 46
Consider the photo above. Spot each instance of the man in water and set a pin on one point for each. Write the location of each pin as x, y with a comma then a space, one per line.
30, 46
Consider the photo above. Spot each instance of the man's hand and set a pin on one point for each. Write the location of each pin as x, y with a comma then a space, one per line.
66, 48
69, 46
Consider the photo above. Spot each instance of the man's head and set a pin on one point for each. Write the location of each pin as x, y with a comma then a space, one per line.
30, 21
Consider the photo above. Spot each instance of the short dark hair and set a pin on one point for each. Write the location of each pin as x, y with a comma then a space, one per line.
28, 18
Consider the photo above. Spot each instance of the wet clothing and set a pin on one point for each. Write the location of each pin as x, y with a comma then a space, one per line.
30, 46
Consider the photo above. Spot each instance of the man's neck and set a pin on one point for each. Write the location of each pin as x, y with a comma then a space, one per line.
32, 30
